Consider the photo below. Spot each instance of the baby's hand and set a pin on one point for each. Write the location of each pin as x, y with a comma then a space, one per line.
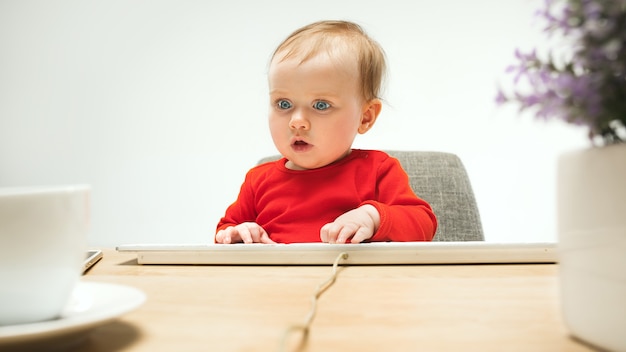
360, 224
247, 232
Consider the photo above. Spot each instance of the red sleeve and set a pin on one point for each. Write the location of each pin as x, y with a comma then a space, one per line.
243, 209
403, 215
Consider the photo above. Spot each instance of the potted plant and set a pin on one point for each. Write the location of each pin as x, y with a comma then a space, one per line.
582, 81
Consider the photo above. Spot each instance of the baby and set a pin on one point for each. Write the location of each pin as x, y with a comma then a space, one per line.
324, 86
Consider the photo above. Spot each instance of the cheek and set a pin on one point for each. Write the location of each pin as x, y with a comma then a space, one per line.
278, 128
347, 126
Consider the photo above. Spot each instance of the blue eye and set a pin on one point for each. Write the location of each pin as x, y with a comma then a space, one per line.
321, 105
284, 104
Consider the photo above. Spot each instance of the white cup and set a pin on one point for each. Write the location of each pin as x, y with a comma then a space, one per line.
43, 238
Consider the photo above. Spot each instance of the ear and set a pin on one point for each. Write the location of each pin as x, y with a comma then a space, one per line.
369, 114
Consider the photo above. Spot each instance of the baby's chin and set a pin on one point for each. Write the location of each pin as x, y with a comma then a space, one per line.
297, 163
292, 165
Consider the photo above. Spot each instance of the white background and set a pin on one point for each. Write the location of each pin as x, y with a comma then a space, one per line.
161, 105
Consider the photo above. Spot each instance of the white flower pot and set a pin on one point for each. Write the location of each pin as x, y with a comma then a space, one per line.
592, 244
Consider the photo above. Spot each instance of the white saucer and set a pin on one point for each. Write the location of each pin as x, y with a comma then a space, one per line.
92, 304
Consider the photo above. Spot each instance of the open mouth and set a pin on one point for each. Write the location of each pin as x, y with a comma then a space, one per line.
300, 146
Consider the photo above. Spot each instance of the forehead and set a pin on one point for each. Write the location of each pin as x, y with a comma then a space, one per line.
338, 60
316, 78
318, 75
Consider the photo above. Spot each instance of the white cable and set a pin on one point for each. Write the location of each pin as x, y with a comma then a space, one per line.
311, 315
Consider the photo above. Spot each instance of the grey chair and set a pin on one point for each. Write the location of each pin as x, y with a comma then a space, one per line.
441, 179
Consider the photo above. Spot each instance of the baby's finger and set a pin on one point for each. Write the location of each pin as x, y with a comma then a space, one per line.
265, 238
219, 236
345, 233
327, 235
245, 235
255, 233
361, 235
223, 236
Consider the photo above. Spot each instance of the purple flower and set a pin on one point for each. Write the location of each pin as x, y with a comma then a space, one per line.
588, 88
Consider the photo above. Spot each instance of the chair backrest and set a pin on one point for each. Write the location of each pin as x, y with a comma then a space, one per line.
441, 179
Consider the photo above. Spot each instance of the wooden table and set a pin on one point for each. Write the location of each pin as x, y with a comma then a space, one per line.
369, 308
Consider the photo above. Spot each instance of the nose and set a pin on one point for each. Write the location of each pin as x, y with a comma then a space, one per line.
299, 121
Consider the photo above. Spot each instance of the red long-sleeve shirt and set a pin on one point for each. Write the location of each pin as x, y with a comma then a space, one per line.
292, 206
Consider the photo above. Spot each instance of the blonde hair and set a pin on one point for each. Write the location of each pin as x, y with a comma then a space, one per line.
329, 36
